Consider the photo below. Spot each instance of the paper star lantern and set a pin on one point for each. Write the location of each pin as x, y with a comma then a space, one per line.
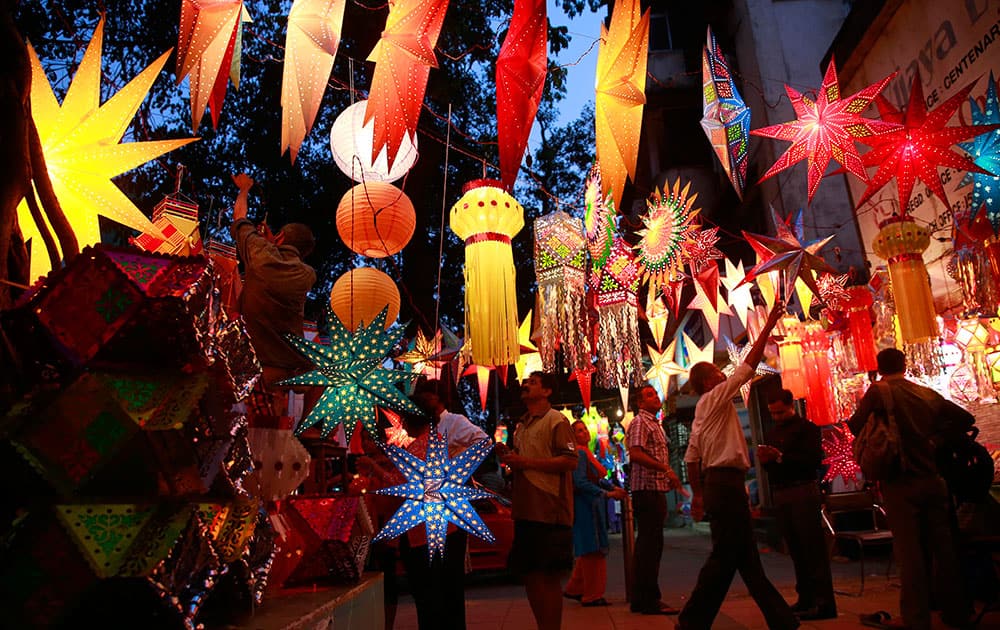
826, 129
403, 60
395, 434
420, 353
708, 280
664, 367
208, 49
80, 139
737, 357
703, 302
350, 369
482, 374
583, 378
838, 444
725, 117
673, 290
314, 28
787, 254
920, 145
435, 493
985, 152
701, 249
530, 360
657, 316
833, 291
598, 224
667, 232
521, 67
561, 271
621, 86
737, 292
691, 355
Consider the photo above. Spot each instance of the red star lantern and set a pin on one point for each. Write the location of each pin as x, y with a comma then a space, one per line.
920, 145
838, 446
826, 129
583, 380
701, 248
521, 68
787, 253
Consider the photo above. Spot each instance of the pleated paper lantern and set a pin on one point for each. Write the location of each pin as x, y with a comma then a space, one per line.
375, 219
820, 402
902, 242
790, 353
486, 218
361, 294
351, 143
859, 322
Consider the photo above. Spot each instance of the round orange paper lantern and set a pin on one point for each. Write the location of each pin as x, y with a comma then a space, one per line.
375, 219
902, 242
359, 296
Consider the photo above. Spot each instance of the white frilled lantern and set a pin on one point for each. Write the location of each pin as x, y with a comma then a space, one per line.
359, 296
351, 143
375, 219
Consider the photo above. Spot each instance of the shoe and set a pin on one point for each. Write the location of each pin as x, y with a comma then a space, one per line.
662, 609
881, 619
573, 597
815, 613
597, 602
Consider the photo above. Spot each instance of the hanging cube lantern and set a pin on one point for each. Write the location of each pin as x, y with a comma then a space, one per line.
351, 144
901, 241
561, 269
486, 218
359, 296
859, 322
375, 219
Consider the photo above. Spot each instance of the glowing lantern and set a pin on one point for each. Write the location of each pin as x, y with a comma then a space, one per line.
359, 296
375, 219
901, 242
351, 144
820, 402
790, 353
486, 217
619, 354
561, 269
859, 322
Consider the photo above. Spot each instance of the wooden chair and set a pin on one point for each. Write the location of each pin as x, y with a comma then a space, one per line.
857, 518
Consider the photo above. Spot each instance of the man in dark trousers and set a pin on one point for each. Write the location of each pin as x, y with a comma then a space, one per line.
718, 459
916, 498
791, 455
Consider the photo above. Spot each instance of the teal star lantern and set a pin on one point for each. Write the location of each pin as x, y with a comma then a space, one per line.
436, 493
350, 369
985, 152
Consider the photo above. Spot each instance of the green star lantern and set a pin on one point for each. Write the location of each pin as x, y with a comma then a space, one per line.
350, 369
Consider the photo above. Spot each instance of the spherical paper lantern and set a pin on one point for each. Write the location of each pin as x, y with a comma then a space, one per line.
359, 296
351, 143
375, 219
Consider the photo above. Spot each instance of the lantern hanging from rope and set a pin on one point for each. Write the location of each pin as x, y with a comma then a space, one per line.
819, 377
361, 294
375, 219
351, 144
619, 355
859, 322
561, 270
790, 353
486, 218
901, 241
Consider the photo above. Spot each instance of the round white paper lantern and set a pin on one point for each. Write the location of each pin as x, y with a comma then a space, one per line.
351, 144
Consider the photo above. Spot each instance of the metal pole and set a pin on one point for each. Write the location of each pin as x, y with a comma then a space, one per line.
628, 544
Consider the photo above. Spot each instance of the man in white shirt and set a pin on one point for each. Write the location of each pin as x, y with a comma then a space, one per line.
461, 433
717, 461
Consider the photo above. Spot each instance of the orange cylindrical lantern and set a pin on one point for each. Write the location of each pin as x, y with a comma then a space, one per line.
793, 375
859, 323
375, 219
359, 296
820, 402
902, 242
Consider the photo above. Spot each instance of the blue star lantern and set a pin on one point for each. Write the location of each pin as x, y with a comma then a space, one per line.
350, 369
436, 493
985, 152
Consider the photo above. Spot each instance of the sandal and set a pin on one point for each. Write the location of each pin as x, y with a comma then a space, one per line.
597, 602
879, 619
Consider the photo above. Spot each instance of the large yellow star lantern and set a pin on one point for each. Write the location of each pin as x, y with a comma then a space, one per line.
421, 352
80, 139
663, 367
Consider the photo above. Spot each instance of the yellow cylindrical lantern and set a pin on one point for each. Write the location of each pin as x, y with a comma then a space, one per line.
359, 296
351, 144
902, 242
793, 376
375, 219
486, 217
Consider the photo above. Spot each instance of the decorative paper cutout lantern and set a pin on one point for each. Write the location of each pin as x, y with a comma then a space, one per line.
838, 445
859, 323
80, 140
561, 270
901, 241
177, 220
970, 267
360, 294
421, 352
790, 354
375, 219
725, 116
667, 231
310, 47
985, 152
820, 401
737, 357
486, 218
619, 354
598, 222
351, 142
737, 292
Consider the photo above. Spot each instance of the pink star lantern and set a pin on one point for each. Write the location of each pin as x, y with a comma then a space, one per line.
395, 434
920, 145
839, 449
826, 129
701, 248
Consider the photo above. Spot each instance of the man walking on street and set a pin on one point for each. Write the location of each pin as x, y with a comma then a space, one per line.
650, 478
791, 455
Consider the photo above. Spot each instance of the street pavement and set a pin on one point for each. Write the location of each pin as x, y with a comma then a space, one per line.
497, 603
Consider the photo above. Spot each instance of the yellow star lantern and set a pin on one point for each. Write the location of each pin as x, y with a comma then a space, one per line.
419, 355
657, 316
314, 28
80, 139
694, 355
530, 359
737, 293
703, 302
621, 86
664, 367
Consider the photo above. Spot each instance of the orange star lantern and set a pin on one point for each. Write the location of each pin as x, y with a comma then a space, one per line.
668, 230
486, 218
621, 86
403, 60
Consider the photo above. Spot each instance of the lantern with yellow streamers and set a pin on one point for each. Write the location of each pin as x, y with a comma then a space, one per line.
790, 353
820, 401
486, 217
901, 241
561, 269
859, 322
361, 294
375, 219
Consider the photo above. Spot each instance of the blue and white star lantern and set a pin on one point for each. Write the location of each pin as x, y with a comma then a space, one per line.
436, 493
350, 369
985, 152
